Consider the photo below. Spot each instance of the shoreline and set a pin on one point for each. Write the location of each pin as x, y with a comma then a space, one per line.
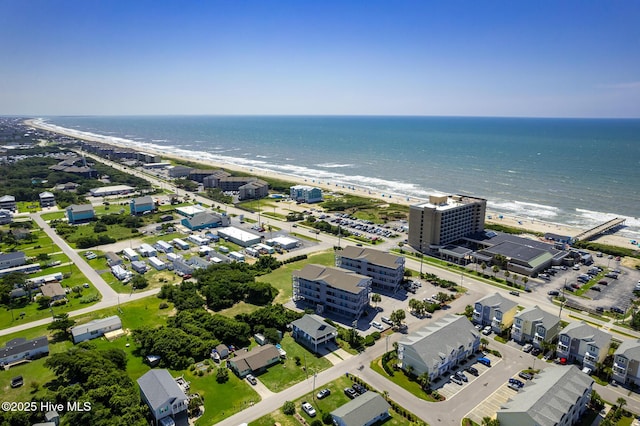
524, 223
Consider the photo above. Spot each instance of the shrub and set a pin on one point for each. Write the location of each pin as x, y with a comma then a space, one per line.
164, 305
376, 335
316, 422
327, 419
289, 408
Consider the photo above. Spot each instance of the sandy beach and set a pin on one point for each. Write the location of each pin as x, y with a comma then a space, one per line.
526, 224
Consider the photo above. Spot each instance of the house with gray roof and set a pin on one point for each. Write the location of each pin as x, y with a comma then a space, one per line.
334, 290
20, 349
159, 390
95, 328
365, 410
495, 310
313, 331
11, 259
583, 344
204, 220
80, 213
8, 202
141, 205
6, 216
558, 396
386, 269
439, 347
626, 362
254, 361
47, 199
533, 325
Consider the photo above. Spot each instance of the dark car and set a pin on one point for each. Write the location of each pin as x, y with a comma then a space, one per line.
603, 282
17, 381
600, 309
617, 310
596, 288
553, 293
574, 285
359, 388
323, 393
516, 382
514, 293
568, 288
536, 351
350, 393
473, 371
525, 376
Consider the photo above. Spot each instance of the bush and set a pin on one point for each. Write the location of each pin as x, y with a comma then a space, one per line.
376, 335
369, 341
164, 305
316, 422
289, 408
327, 419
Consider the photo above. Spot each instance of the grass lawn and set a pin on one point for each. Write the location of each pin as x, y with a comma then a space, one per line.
258, 205
286, 374
400, 379
155, 278
53, 215
281, 277
116, 231
28, 206
336, 399
141, 313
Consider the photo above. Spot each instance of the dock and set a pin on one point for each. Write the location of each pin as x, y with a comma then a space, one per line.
600, 229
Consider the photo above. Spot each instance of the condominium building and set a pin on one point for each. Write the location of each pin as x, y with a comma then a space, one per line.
444, 219
626, 362
333, 290
583, 344
558, 396
305, 194
386, 270
495, 310
533, 325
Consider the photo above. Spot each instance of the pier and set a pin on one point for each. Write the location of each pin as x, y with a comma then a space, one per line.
600, 229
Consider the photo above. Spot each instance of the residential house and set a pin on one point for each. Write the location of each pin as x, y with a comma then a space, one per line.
47, 199
11, 259
204, 220
533, 325
163, 247
120, 273
8, 202
146, 250
367, 409
139, 266
439, 346
20, 349
54, 291
113, 259
253, 190
254, 361
313, 331
165, 399
626, 362
386, 270
6, 217
157, 263
583, 344
80, 213
141, 205
305, 194
557, 396
495, 310
333, 290
96, 328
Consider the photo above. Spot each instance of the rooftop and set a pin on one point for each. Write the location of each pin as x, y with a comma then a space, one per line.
362, 410
159, 387
341, 279
314, 326
374, 257
496, 300
448, 202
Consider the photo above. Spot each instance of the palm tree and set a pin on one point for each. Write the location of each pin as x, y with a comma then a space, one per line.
409, 370
484, 342
515, 279
483, 266
507, 274
376, 298
495, 270
621, 402
525, 280
424, 381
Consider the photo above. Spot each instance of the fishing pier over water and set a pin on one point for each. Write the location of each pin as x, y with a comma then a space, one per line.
600, 229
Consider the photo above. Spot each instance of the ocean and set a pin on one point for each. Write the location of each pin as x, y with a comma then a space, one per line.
579, 172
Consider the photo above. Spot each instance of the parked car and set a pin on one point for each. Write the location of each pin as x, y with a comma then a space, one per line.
617, 310
455, 380
486, 330
603, 282
386, 320
460, 375
574, 285
350, 393
612, 275
553, 293
527, 347
525, 376
514, 293
485, 361
596, 288
536, 351
517, 382
17, 381
323, 393
376, 324
308, 408
514, 386
600, 309
473, 371
359, 388
251, 379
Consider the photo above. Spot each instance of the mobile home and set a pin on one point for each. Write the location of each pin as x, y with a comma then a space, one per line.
130, 254
163, 247
157, 263
181, 244
238, 257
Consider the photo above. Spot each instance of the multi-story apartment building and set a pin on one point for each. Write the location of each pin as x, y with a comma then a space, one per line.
495, 310
333, 290
558, 396
438, 347
583, 344
533, 325
305, 194
626, 362
386, 270
443, 220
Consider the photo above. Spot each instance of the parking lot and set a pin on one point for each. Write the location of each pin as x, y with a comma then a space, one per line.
448, 388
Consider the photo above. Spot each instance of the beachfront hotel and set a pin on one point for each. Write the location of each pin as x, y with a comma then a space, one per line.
444, 219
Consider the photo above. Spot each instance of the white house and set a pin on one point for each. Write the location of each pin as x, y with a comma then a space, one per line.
95, 328
160, 391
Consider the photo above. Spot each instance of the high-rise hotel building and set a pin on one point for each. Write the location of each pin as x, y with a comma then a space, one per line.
444, 219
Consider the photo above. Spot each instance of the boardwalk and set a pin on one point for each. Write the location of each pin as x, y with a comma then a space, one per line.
600, 229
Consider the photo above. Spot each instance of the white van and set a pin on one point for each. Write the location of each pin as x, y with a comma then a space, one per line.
386, 320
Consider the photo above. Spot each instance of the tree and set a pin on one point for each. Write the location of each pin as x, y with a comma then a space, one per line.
495, 270
507, 274
289, 408
376, 298
409, 369
621, 402
222, 375
515, 279
468, 311
139, 282
62, 323
525, 280
483, 266
397, 317
424, 380
44, 301
484, 342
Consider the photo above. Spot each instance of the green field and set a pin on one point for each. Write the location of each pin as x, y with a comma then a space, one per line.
284, 375
53, 215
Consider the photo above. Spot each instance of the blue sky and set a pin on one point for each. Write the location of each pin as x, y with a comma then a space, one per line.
367, 57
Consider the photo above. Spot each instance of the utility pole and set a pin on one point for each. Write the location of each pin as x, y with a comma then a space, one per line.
563, 299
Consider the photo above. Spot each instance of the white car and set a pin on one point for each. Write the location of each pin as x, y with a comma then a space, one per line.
308, 408
528, 347
376, 324
487, 330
